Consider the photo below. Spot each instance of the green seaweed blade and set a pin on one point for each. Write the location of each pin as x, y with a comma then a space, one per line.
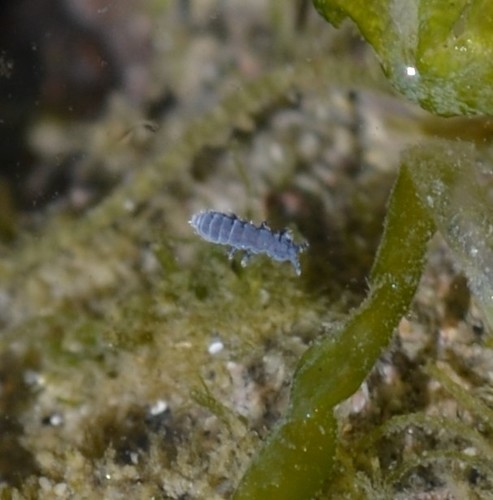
438, 53
444, 174
297, 459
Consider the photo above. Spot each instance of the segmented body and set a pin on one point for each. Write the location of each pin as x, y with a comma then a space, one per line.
228, 229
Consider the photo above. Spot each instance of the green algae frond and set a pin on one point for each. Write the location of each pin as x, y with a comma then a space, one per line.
447, 182
454, 438
437, 53
298, 458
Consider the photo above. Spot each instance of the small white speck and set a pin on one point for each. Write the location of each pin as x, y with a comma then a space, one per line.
231, 365
107, 476
158, 407
215, 347
134, 457
44, 483
56, 419
60, 489
410, 71
129, 205
32, 377
185, 344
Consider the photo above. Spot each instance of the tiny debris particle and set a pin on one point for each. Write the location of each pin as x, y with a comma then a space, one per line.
56, 420
32, 377
44, 483
60, 489
129, 205
215, 347
160, 406
228, 229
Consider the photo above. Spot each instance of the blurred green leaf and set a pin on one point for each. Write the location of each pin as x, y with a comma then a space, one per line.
438, 53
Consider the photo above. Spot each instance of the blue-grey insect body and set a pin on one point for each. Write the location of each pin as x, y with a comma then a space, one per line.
228, 229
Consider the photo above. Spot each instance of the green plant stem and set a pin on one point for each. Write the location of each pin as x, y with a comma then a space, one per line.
298, 457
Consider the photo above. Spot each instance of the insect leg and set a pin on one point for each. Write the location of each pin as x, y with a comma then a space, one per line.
245, 259
296, 265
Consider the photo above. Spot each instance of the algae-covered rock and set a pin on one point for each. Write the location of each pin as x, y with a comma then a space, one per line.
438, 53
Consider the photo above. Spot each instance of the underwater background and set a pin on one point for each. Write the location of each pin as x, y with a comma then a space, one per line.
136, 360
